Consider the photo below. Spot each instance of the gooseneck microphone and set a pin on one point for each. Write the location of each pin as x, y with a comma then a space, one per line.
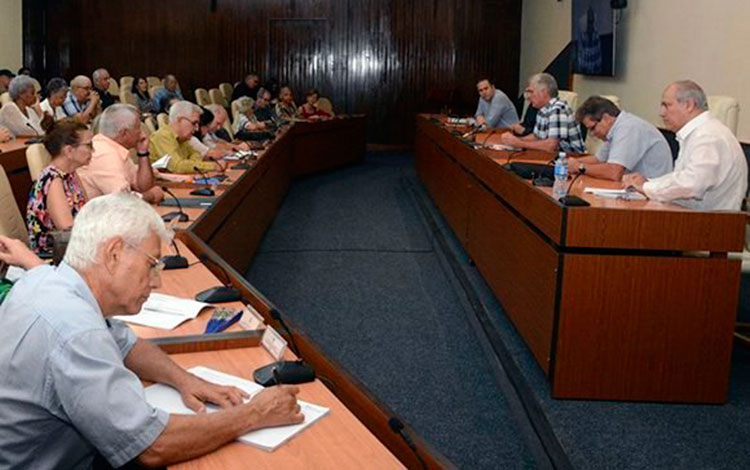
175, 261
219, 294
183, 217
288, 372
571, 200
207, 191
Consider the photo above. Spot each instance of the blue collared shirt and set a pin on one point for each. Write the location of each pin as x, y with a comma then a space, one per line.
499, 112
65, 392
636, 145
162, 97
71, 106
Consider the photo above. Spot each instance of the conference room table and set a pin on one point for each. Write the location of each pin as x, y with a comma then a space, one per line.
219, 243
620, 300
13, 160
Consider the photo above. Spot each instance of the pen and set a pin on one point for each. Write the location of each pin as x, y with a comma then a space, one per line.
276, 376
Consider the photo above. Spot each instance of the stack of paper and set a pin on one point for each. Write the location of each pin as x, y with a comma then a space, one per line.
168, 399
165, 311
161, 164
626, 194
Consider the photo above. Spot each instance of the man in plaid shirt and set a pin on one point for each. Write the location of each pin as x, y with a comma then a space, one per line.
556, 128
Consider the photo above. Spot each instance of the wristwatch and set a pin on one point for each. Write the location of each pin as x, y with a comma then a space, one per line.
143, 154
581, 168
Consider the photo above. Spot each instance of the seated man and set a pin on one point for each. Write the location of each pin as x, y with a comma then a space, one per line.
101, 79
82, 104
76, 372
494, 108
210, 152
711, 171
263, 110
249, 87
556, 129
111, 170
174, 140
630, 143
162, 97
216, 135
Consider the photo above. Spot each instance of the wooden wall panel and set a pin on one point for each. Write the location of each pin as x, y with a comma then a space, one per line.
379, 57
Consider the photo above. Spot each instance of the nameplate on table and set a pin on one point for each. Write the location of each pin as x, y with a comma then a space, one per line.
274, 343
253, 320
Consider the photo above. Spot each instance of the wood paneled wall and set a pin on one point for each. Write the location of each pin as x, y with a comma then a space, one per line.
385, 58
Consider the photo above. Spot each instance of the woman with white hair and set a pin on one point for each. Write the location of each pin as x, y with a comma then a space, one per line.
18, 116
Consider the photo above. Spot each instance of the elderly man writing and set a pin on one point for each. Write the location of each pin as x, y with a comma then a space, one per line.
711, 171
75, 387
174, 140
111, 169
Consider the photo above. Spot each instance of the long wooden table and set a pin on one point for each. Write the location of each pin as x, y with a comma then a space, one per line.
622, 300
219, 244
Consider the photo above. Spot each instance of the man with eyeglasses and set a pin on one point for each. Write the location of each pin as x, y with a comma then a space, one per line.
630, 143
71, 393
82, 104
174, 140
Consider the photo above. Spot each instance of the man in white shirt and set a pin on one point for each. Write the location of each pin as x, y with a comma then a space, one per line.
711, 171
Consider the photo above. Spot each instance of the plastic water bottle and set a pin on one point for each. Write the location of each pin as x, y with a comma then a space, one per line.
560, 186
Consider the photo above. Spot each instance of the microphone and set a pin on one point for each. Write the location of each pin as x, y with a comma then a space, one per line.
33, 140
202, 191
175, 261
218, 294
290, 372
398, 427
473, 132
571, 200
183, 217
542, 180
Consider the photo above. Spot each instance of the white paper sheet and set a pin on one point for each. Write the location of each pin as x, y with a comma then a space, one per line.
165, 311
168, 399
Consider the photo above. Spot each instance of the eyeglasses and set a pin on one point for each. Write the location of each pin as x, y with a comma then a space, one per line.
596, 123
193, 123
157, 265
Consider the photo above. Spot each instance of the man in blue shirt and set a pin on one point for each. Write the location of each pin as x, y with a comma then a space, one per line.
72, 375
495, 108
169, 92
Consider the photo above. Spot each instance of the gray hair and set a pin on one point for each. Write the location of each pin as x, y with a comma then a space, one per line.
97, 74
217, 109
80, 81
689, 90
244, 104
117, 117
545, 81
117, 215
20, 85
182, 109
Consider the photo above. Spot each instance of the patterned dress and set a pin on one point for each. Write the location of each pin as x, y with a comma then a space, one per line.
38, 219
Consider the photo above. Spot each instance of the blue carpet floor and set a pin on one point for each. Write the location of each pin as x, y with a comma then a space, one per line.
351, 258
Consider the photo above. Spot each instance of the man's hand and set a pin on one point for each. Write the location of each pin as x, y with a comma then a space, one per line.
16, 253
221, 165
277, 406
5, 134
241, 146
635, 180
509, 139
517, 128
573, 165
94, 98
142, 145
481, 120
196, 393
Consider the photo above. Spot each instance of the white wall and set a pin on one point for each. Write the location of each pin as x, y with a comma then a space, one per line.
11, 35
659, 41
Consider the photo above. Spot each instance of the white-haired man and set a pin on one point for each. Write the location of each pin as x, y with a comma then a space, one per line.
101, 79
174, 140
82, 104
73, 373
556, 128
710, 172
111, 170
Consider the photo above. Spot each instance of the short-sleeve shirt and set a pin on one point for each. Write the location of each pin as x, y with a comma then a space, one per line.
184, 158
636, 145
556, 121
71, 106
498, 112
110, 169
66, 393
58, 112
38, 220
18, 123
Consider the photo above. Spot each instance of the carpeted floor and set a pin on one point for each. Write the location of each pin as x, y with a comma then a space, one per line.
352, 259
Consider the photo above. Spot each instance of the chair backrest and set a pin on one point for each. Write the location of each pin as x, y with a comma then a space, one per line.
127, 96
4, 98
226, 89
235, 106
114, 88
570, 96
325, 104
726, 109
217, 97
151, 125
153, 81
11, 221
126, 81
162, 119
37, 157
201, 97
592, 143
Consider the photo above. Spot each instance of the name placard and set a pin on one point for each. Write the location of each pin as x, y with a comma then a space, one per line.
253, 320
274, 343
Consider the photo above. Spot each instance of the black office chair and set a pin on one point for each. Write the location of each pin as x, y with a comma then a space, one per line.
672, 141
